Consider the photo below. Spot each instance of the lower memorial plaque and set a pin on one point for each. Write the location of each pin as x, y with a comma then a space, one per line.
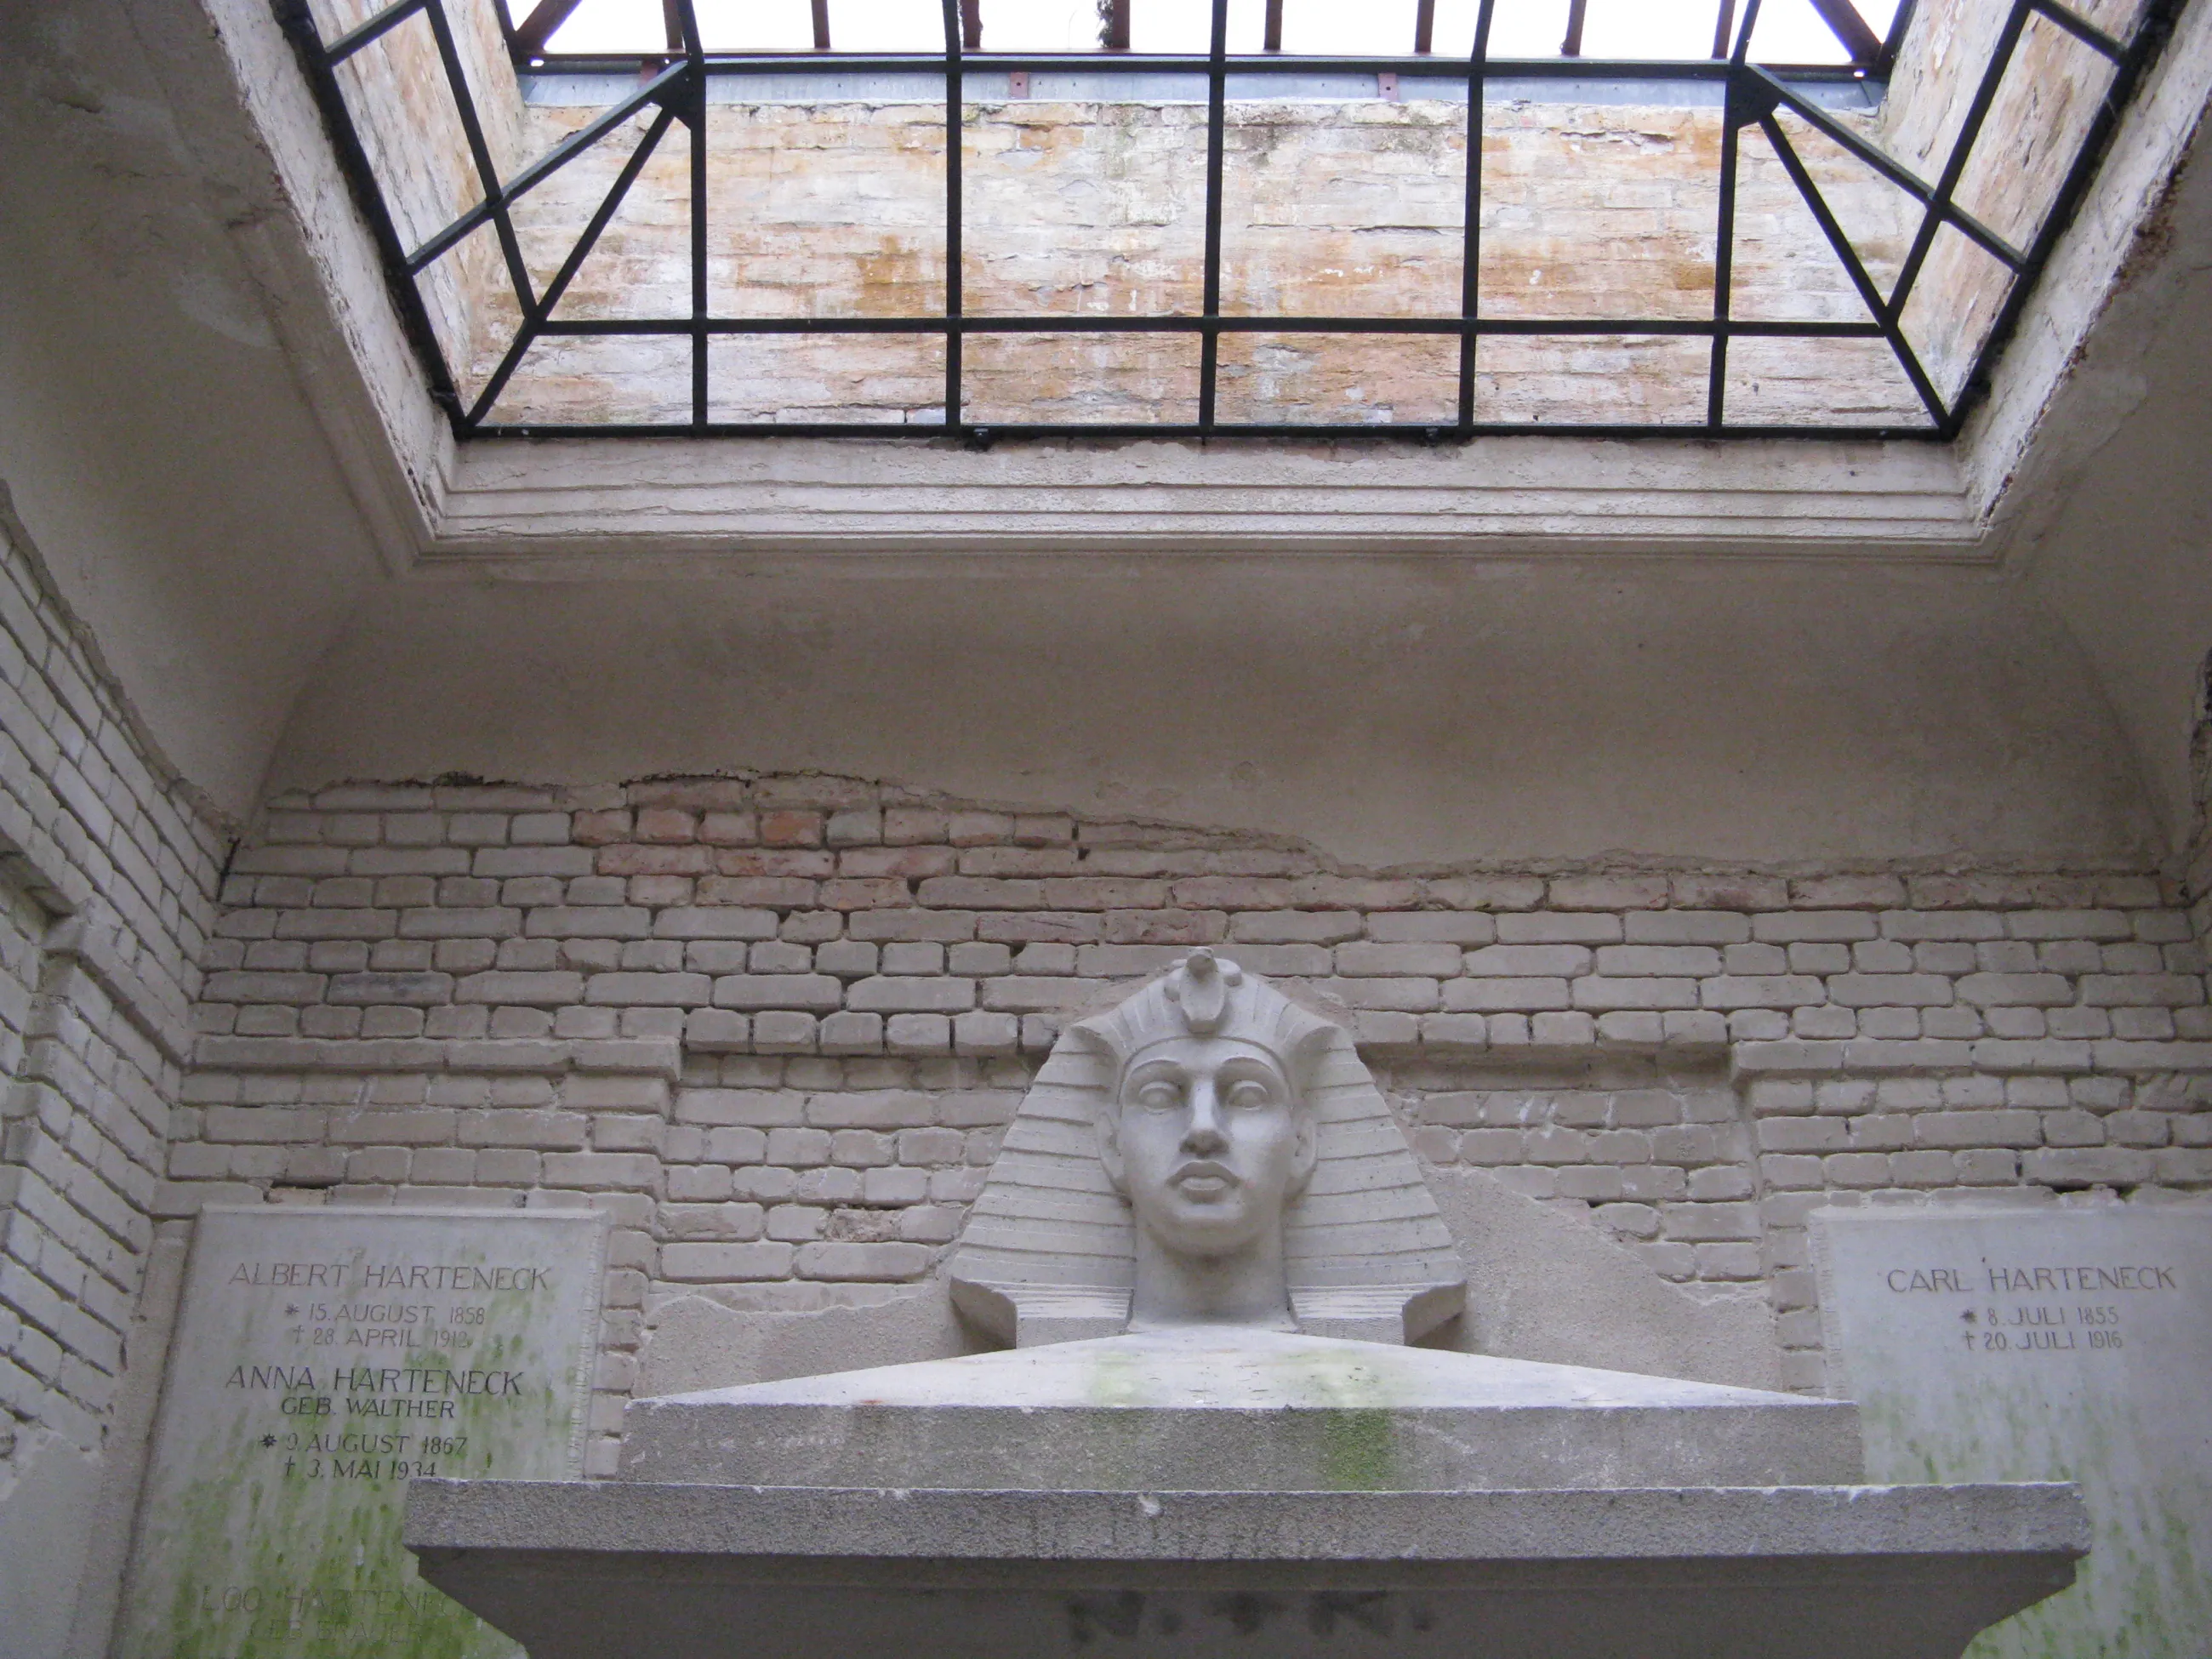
2049, 1345
323, 1358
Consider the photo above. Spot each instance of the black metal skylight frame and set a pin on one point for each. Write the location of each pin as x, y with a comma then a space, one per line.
1752, 95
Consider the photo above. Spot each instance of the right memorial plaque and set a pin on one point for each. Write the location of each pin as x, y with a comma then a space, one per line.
2048, 1345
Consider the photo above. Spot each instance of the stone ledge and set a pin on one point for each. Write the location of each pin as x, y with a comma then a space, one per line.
1651, 1524
659, 1056
619, 1570
1792, 1058
1241, 1411
166, 1020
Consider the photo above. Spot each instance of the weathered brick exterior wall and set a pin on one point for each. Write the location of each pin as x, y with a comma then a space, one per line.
2033, 127
1343, 208
834, 208
1355, 206
108, 873
774, 1026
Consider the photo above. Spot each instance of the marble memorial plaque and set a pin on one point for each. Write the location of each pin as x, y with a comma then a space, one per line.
323, 1358
2047, 1345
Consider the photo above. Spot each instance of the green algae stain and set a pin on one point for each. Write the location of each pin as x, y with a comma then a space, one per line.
2124, 1422
1119, 1380
270, 1528
1359, 1450
1358, 1431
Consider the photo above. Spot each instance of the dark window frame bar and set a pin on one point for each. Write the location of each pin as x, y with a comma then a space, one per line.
1751, 96
1725, 231
958, 15
526, 40
1217, 133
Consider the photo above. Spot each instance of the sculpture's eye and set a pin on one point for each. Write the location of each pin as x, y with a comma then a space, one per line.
1160, 1095
1250, 1093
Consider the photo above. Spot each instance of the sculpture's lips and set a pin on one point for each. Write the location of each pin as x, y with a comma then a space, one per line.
1203, 1180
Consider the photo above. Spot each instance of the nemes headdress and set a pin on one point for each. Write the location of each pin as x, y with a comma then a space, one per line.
1204, 995
1049, 1253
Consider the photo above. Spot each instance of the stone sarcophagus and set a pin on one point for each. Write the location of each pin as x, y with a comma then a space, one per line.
1210, 1249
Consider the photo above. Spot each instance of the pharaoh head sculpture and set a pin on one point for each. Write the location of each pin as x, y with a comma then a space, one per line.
1206, 1150
1207, 1130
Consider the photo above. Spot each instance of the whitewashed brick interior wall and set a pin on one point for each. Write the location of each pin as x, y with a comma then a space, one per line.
108, 874
775, 1026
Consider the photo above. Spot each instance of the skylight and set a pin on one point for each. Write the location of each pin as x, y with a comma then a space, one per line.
1576, 218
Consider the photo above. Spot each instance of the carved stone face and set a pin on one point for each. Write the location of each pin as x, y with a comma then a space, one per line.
1209, 1142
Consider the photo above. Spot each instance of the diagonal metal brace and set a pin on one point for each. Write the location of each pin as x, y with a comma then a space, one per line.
660, 89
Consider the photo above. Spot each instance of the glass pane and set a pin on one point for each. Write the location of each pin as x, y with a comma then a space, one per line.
2116, 18
1650, 29
1791, 32
755, 25
1079, 209
1187, 26
886, 26
637, 25
873, 380
1820, 383
1952, 307
470, 301
403, 111
825, 210
640, 266
1330, 27
1880, 15
1331, 210
1337, 380
1518, 28
1878, 219
598, 379
1591, 379
489, 71
1947, 51
1784, 266
1068, 378
1614, 213
1041, 25
611, 26
2050, 94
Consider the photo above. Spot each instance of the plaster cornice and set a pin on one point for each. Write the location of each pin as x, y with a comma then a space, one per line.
573, 508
